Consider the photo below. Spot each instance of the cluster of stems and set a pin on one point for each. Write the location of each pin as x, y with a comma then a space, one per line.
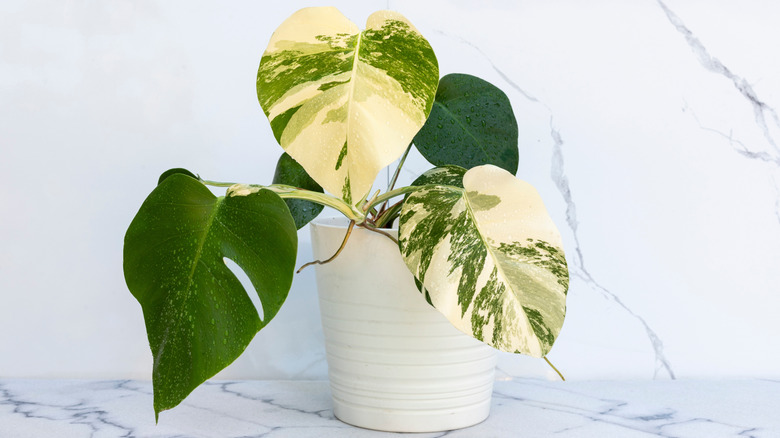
372, 213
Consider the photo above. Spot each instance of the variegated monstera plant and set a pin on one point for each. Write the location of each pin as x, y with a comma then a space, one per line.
344, 104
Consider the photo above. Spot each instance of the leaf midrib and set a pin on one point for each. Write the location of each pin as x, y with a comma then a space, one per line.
452, 115
350, 94
195, 261
201, 244
497, 264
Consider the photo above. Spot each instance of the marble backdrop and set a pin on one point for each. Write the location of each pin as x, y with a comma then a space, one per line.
650, 128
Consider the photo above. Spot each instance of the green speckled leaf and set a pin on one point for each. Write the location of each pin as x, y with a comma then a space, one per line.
490, 259
289, 172
199, 318
471, 124
442, 176
345, 103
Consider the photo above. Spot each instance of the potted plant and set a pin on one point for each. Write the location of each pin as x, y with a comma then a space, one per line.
476, 242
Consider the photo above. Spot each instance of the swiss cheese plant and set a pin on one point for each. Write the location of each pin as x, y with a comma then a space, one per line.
344, 103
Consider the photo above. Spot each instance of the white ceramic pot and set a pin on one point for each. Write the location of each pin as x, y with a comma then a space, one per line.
395, 363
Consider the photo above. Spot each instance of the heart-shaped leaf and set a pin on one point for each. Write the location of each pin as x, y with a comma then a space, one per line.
471, 124
289, 172
198, 316
346, 103
490, 259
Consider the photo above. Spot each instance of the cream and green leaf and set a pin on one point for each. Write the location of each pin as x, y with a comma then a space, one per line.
449, 175
490, 259
345, 103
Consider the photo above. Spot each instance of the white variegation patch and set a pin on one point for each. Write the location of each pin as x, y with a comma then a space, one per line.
345, 103
490, 258
241, 190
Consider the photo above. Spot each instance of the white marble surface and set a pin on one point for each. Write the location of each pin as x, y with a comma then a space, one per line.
521, 408
650, 128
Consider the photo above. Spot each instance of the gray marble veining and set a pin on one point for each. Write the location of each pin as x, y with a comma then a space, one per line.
561, 181
766, 117
760, 108
533, 408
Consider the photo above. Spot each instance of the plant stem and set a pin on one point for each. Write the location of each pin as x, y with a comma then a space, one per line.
553, 367
216, 183
351, 212
392, 194
376, 230
343, 244
397, 172
398, 169
388, 215
367, 205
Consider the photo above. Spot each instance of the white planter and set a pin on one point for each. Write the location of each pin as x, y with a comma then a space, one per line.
394, 362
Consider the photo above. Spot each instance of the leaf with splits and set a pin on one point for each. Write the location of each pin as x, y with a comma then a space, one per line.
345, 103
199, 317
490, 259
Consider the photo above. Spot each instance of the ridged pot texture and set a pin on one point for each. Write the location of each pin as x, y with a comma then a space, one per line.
394, 362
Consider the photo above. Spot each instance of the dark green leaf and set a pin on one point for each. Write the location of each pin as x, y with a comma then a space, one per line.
290, 173
471, 124
175, 171
199, 318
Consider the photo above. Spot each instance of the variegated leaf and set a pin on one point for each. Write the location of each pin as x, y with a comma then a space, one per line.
490, 258
346, 103
449, 175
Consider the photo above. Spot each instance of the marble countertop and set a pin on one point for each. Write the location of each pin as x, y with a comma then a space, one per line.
521, 407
